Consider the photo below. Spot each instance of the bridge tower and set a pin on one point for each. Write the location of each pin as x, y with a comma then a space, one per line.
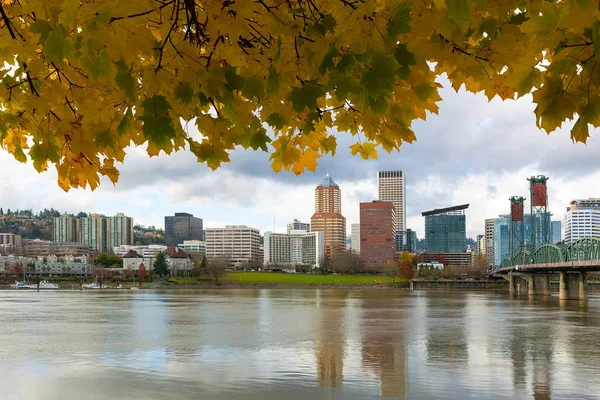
540, 216
517, 226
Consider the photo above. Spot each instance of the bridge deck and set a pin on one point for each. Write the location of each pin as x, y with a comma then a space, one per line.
580, 266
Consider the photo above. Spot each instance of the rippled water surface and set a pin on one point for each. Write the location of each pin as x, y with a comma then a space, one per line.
296, 344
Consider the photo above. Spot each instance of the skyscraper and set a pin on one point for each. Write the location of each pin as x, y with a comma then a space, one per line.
481, 244
182, 226
328, 216
556, 232
446, 230
119, 231
93, 232
355, 238
65, 229
582, 219
489, 242
377, 235
391, 186
296, 225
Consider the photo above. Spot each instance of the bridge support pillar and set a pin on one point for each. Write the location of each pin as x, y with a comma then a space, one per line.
573, 286
538, 284
512, 284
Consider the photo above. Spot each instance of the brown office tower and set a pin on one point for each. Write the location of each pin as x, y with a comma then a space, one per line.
328, 216
377, 239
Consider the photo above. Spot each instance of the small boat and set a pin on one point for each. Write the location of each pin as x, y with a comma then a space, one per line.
47, 285
23, 285
134, 288
94, 285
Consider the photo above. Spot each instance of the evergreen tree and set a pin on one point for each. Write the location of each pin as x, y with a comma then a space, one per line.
160, 266
203, 263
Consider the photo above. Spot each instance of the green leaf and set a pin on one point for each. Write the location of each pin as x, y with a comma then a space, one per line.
580, 131
158, 125
41, 27
124, 80
531, 79
184, 92
378, 104
458, 10
518, 19
306, 96
253, 88
381, 76
596, 39
104, 139
400, 21
256, 137
346, 62
97, 63
57, 47
327, 62
404, 58
41, 153
125, 123
277, 121
273, 80
328, 22
206, 152
425, 91
344, 86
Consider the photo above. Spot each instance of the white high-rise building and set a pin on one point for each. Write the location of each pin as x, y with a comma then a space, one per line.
355, 238
295, 248
392, 188
239, 244
582, 220
296, 225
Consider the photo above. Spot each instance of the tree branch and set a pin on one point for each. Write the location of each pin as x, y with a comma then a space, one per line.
7, 22
113, 19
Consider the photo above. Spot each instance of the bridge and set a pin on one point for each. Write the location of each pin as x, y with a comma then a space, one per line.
570, 262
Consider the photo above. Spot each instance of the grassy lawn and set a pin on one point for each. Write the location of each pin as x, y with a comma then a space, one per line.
302, 279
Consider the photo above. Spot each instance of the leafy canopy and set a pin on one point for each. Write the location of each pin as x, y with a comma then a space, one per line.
82, 81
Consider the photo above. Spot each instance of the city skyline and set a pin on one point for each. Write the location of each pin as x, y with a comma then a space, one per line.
482, 159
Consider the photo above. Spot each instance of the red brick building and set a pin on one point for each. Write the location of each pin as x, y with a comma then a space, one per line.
377, 236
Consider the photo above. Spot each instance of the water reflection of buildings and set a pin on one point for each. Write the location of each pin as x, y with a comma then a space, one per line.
330, 350
384, 344
446, 342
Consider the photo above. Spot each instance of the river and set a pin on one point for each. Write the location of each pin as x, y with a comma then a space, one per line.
296, 344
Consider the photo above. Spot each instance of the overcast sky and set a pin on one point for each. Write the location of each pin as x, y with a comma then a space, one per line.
472, 152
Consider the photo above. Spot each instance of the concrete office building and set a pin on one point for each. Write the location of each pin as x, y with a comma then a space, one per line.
10, 240
298, 247
296, 225
582, 219
182, 226
195, 248
377, 233
328, 216
489, 241
355, 238
481, 244
239, 244
392, 187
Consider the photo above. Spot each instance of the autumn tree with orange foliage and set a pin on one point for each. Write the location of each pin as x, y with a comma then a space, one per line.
81, 81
